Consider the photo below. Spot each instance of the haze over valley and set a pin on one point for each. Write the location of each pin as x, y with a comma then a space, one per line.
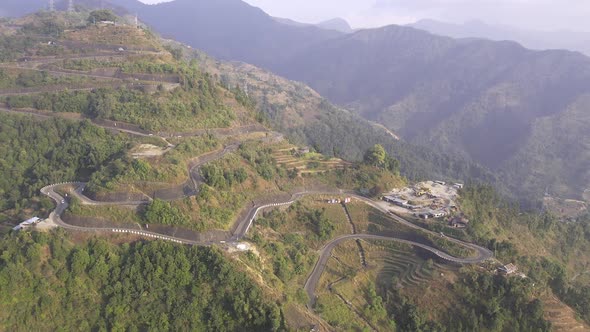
229, 165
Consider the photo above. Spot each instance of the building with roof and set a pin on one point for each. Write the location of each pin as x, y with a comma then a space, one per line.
27, 223
395, 200
459, 222
508, 269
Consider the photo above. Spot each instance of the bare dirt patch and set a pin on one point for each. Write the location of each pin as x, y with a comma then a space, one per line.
148, 150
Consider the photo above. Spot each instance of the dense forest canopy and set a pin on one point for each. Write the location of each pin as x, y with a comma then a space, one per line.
48, 282
38, 153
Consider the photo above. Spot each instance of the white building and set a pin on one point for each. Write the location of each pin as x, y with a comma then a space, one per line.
395, 200
27, 223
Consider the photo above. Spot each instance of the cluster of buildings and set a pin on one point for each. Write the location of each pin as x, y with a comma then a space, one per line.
431, 200
406, 205
400, 202
432, 214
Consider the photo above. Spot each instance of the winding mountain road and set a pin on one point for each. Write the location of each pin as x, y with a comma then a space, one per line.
243, 224
325, 254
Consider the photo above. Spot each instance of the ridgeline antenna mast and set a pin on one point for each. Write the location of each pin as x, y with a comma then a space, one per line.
70, 6
51, 5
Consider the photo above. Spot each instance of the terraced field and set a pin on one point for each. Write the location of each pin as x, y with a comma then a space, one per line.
562, 317
405, 267
306, 163
342, 288
340, 300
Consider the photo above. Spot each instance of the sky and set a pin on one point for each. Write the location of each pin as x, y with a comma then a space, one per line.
529, 14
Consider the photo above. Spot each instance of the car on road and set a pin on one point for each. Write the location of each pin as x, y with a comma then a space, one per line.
63, 201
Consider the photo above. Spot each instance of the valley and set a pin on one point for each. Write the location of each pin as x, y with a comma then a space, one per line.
495, 104
177, 191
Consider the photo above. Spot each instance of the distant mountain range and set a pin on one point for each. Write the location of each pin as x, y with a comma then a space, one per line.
496, 103
232, 29
539, 40
520, 112
336, 24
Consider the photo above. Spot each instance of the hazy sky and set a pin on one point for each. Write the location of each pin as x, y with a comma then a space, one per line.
535, 14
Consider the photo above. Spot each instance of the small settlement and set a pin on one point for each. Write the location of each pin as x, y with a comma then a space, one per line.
429, 200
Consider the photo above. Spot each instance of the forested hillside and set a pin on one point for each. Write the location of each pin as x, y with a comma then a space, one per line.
551, 253
49, 282
307, 118
36, 153
191, 209
495, 103
464, 102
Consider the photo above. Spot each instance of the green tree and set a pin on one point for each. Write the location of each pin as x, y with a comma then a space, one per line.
376, 156
161, 212
101, 15
324, 227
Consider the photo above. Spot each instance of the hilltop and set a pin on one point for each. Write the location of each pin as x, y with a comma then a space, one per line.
537, 40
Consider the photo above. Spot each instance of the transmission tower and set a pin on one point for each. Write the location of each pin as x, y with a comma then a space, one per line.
70, 6
51, 5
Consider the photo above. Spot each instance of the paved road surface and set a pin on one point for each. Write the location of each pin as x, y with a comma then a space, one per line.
242, 225
325, 254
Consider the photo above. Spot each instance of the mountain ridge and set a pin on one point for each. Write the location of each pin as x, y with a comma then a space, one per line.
417, 84
484, 100
537, 40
